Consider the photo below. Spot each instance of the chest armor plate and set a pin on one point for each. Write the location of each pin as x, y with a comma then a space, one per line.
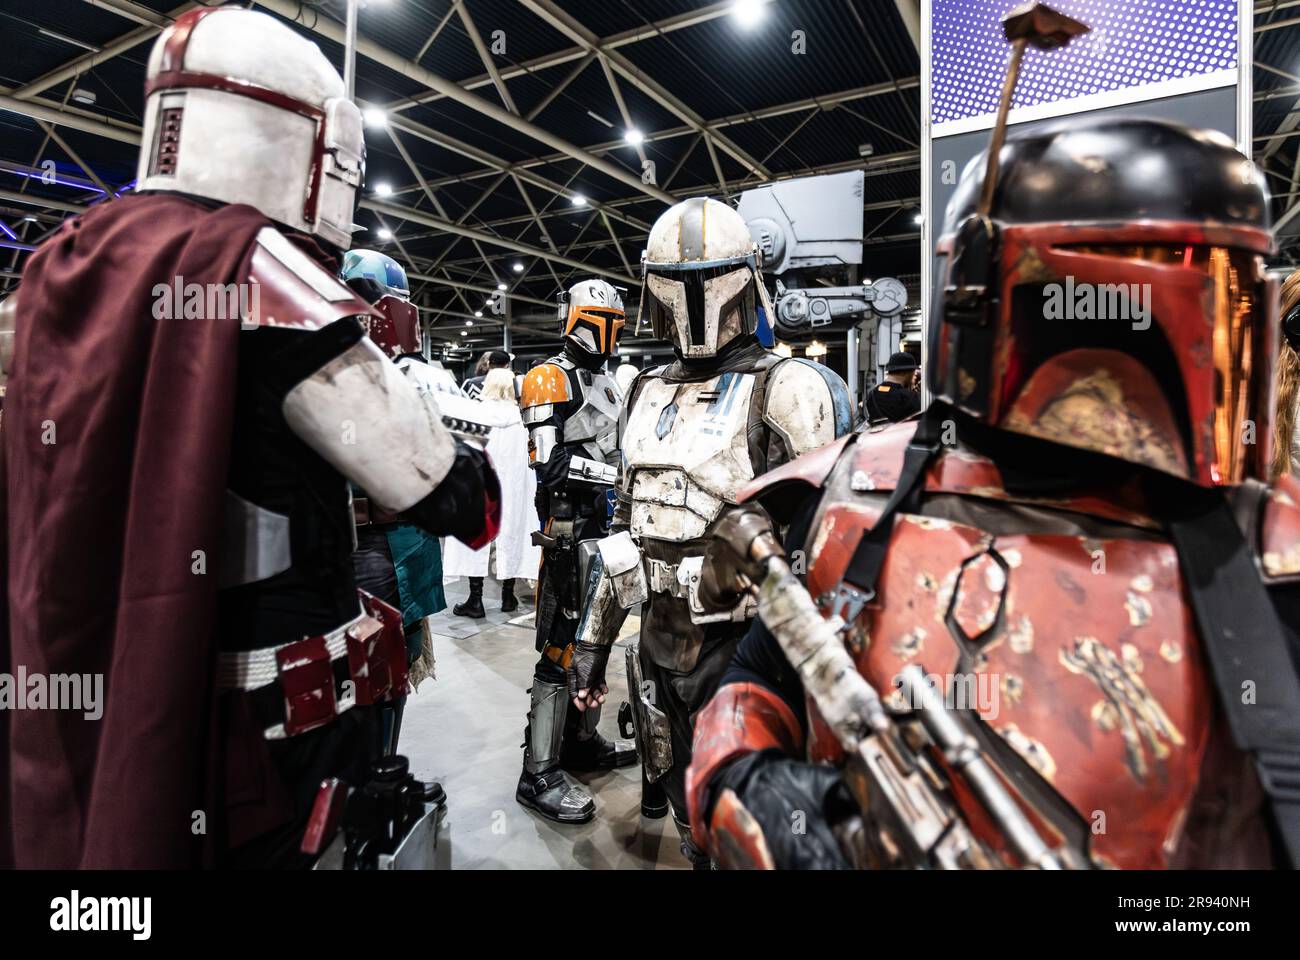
687, 452
593, 428
1079, 654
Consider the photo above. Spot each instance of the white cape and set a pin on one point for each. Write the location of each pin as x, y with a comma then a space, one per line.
516, 555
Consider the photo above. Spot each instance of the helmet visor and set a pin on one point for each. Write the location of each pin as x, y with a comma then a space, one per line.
1228, 397
695, 305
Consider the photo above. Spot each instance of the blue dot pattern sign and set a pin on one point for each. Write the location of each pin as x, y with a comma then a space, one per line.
1133, 44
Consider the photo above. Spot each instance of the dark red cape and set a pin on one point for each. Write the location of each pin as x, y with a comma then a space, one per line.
103, 526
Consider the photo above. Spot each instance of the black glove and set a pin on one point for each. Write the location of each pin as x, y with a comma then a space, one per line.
587, 669
457, 507
796, 804
731, 553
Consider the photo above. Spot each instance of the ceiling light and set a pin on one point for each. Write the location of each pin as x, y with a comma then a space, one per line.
477, 313
374, 117
633, 137
464, 333
501, 286
385, 233
518, 268
469, 323
578, 200
384, 189
918, 219
83, 96
749, 13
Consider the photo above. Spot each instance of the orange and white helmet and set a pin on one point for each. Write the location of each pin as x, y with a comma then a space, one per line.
239, 108
593, 316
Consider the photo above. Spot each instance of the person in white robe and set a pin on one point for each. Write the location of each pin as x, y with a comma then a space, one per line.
512, 554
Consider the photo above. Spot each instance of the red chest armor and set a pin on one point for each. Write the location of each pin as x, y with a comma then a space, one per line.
1064, 624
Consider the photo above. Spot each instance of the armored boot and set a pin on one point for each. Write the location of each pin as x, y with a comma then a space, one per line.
509, 602
586, 749
543, 786
473, 605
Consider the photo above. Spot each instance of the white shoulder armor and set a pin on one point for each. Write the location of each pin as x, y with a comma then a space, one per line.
807, 405
373, 425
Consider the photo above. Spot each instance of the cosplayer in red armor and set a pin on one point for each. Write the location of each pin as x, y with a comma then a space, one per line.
190, 393
1072, 600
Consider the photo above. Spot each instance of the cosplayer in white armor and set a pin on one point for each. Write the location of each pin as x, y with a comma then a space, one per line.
726, 411
240, 109
571, 407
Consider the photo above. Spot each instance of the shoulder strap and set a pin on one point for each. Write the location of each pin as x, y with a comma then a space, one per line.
1247, 649
858, 587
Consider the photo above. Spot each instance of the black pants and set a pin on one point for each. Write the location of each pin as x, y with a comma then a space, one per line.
681, 696
345, 749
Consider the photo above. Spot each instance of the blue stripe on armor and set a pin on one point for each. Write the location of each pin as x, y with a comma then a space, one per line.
839, 395
726, 385
667, 416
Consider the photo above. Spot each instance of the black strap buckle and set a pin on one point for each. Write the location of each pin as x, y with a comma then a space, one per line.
1279, 774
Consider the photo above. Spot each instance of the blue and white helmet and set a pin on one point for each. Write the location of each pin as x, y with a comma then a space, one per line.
373, 275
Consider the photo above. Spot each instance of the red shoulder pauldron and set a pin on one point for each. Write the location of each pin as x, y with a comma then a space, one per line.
741, 718
290, 289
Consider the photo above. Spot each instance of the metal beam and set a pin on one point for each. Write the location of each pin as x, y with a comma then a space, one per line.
477, 288
39, 109
418, 216
76, 157
765, 113
131, 10
910, 13
496, 164
292, 10
486, 56
561, 20
12, 196
89, 61
886, 164
559, 88
660, 27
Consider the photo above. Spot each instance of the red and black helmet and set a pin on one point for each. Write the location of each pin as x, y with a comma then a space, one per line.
1114, 298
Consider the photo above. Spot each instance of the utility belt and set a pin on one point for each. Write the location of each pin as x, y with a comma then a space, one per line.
365, 513
662, 577
308, 683
682, 580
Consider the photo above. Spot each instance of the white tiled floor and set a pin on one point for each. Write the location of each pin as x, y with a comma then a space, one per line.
465, 729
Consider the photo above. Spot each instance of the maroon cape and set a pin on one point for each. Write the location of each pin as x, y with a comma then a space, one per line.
117, 432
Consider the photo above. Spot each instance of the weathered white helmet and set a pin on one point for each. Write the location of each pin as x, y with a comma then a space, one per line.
241, 109
702, 281
592, 316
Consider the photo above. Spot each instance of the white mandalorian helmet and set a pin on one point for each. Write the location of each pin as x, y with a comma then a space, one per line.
592, 316
702, 281
241, 109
